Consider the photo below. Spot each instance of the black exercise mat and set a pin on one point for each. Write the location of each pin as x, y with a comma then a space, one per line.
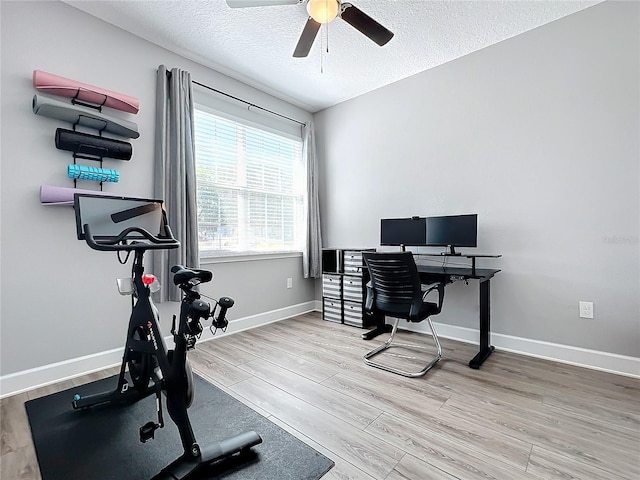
103, 443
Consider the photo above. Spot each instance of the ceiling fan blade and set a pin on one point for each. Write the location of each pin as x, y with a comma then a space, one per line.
306, 39
365, 24
260, 3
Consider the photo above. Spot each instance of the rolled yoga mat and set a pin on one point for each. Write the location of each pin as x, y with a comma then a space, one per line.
85, 116
85, 144
82, 172
50, 194
65, 87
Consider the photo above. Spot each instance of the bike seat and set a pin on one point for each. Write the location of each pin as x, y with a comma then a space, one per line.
184, 275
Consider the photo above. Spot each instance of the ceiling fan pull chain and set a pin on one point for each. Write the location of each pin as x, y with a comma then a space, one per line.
324, 49
327, 38
322, 52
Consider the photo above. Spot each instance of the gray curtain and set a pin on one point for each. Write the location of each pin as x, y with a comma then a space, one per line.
175, 175
312, 253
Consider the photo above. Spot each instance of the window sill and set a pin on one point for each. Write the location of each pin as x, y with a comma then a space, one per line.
231, 257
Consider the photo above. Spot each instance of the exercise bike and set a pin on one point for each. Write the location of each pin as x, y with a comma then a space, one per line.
152, 368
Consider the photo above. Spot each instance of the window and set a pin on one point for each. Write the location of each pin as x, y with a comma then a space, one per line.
250, 183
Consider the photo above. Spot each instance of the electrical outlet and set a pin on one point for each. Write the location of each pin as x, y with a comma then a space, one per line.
586, 309
289, 282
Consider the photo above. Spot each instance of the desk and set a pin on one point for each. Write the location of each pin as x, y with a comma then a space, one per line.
433, 274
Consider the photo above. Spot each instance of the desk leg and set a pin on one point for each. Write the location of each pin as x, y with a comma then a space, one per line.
485, 326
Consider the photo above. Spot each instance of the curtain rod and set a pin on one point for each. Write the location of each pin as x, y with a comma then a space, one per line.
248, 103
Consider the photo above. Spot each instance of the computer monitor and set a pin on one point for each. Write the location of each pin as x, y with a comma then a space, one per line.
452, 231
403, 231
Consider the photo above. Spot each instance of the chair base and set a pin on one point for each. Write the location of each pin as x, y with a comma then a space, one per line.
389, 343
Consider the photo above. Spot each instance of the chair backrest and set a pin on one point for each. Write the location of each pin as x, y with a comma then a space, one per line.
395, 282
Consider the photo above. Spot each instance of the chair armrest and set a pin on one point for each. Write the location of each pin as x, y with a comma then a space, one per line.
370, 300
440, 288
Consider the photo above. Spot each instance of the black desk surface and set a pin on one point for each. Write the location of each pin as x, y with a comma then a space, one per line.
466, 272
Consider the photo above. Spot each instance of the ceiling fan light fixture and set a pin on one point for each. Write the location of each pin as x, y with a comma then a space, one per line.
323, 11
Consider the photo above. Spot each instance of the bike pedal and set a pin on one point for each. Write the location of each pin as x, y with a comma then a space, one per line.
191, 342
147, 431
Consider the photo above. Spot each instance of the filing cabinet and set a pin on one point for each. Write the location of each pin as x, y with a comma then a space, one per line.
344, 280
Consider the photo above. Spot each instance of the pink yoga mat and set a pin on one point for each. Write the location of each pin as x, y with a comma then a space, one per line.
65, 87
64, 195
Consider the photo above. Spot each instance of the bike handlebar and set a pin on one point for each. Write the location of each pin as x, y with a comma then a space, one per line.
148, 241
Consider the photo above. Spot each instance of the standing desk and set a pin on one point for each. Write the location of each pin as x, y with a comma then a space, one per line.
434, 274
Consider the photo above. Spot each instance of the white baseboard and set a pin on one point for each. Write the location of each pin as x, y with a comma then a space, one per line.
582, 357
609, 362
41, 376
55, 372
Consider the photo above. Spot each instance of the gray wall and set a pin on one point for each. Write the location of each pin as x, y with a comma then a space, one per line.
539, 136
59, 300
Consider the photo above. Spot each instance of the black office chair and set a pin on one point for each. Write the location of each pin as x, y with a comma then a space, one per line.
395, 291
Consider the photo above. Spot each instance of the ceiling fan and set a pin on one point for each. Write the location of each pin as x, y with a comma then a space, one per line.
325, 11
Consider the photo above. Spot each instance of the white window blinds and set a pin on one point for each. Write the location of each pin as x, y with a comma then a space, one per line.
250, 185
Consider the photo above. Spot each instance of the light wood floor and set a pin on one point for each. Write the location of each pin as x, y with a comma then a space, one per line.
515, 418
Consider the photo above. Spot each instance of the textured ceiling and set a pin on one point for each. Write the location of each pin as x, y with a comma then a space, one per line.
255, 45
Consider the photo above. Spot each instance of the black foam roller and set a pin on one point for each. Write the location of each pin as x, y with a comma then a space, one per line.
85, 144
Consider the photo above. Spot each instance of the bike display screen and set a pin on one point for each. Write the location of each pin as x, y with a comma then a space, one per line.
108, 217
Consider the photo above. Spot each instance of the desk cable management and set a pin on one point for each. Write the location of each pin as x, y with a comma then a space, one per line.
445, 258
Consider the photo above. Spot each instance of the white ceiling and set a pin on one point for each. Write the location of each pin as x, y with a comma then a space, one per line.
255, 45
